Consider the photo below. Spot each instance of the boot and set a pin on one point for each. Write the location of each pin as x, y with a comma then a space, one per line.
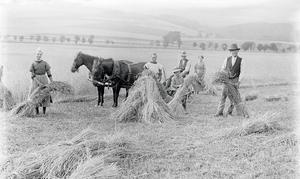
37, 110
44, 110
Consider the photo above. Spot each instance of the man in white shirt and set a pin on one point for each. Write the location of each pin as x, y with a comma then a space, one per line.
235, 65
184, 64
155, 67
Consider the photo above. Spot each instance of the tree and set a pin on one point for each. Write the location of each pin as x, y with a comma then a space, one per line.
90, 41
53, 39
68, 39
83, 40
157, 42
202, 46
62, 39
195, 44
151, 43
38, 38
31, 37
171, 37
107, 41
21, 38
224, 46
260, 47
283, 50
216, 46
245, 46
92, 37
266, 47
112, 42
290, 47
199, 34
273, 47
210, 44
76, 38
46, 39
15, 37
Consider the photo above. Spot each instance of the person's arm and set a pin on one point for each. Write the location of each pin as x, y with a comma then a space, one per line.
187, 68
146, 66
242, 70
223, 67
204, 71
159, 74
49, 72
32, 71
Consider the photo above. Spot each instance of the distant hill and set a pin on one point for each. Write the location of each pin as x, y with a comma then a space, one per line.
69, 18
247, 31
258, 31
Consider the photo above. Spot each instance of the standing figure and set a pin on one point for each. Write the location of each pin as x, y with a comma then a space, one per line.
177, 82
155, 67
200, 71
39, 68
235, 66
184, 64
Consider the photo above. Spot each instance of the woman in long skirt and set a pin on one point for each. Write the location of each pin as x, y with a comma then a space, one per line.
40, 72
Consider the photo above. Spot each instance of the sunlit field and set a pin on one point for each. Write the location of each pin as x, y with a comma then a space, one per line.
261, 68
193, 145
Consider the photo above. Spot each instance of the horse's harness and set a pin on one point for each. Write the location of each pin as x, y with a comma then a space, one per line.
116, 73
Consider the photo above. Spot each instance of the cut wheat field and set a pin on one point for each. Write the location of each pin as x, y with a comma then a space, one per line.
193, 145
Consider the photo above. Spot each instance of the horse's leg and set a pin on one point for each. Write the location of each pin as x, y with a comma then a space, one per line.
100, 95
126, 93
116, 91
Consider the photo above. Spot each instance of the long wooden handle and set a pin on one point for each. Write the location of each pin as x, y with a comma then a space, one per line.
98, 82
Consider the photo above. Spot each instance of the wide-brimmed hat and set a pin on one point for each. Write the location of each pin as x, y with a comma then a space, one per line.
176, 70
233, 47
183, 54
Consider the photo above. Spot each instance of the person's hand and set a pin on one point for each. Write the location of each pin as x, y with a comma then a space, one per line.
237, 84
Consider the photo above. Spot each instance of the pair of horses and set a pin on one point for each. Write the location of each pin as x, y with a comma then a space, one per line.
119, 74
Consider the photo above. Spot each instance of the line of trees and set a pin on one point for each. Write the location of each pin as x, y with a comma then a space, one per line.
246, 46
46, 39
173, 38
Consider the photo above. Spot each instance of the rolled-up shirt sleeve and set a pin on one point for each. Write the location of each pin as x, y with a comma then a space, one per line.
242, 70
223, 67
47, 68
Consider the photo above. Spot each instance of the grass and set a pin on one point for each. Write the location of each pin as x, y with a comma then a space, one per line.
193, 146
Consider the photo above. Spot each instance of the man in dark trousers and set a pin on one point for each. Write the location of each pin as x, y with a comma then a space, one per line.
235, 65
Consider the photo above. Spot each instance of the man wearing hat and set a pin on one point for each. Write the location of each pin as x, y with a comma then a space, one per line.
184, 64
235, 65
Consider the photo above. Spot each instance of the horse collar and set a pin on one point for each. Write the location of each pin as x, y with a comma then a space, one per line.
116, 69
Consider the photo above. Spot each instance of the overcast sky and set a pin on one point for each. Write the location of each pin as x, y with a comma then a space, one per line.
207, 12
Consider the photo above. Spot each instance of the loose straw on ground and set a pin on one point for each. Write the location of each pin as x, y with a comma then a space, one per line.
26, 108
87, 155
232, 92
6, 98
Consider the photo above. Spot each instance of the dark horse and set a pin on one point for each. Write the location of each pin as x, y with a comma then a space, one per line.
120, 75
88, 60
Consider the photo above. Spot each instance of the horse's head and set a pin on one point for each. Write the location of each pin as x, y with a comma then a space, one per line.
77, 62
98, 72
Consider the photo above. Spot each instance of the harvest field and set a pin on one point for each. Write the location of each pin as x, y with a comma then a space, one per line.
195, 145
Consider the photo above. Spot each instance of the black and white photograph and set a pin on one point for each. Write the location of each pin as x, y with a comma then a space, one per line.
160, 89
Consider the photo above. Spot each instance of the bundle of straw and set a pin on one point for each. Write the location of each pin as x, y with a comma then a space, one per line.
145, 102
231, 89
7, 100
26, 108
87, 155
176, 104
